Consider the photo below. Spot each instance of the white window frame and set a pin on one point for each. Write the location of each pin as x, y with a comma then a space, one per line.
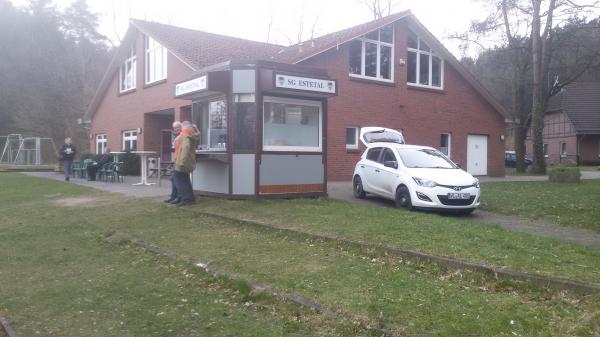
155, 49
356, 135
449, 143
430, 55
131, 137
563, 154
128, 68
102, 140
268, 99
545, 149
379, 44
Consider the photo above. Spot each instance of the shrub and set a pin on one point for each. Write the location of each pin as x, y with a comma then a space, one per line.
565, 174
131, 164
85, 156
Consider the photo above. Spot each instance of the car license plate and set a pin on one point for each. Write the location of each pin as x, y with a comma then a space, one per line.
459, 195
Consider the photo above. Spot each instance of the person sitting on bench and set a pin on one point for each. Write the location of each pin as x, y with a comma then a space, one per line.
105, 158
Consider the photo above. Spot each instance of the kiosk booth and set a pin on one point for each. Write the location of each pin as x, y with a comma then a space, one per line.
263, 129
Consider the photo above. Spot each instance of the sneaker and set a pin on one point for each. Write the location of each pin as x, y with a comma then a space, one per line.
175, 201
168, 201
67, 179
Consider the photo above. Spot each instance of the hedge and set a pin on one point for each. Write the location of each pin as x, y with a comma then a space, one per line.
565, 174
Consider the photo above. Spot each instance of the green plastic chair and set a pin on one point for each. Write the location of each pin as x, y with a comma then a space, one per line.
118, 172
76, 168
109, 172
84, 167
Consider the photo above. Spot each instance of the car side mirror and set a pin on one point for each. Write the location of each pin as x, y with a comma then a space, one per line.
458, 165
391, 163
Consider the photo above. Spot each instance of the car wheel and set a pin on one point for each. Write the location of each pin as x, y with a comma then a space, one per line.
357, 189
403, 198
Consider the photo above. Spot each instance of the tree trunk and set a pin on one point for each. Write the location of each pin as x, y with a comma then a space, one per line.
537, 122
519, 111
520, 134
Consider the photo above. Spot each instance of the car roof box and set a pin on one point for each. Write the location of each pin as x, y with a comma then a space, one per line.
375, 134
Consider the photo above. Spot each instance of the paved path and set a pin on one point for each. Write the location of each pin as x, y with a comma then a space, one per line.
585, 237
343, 191
125, 187
584, 175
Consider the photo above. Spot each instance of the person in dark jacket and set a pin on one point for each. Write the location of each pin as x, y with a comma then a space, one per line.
66, 154
105, 158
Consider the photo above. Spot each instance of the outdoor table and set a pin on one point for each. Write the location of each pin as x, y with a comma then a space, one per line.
144, 160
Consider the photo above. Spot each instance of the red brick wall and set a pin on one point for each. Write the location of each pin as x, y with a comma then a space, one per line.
118, 112
422, 114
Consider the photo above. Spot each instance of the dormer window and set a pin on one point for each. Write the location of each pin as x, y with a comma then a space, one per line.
156, 61
127, 73
371, 55
425, 68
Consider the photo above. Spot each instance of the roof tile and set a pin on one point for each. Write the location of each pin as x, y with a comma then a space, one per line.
581, 102
201, 49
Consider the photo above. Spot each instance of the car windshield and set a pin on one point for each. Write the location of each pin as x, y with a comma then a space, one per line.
425, 158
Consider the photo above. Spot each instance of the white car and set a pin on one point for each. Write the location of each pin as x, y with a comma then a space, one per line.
411, 175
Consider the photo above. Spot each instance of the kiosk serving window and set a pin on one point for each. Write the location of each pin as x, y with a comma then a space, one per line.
211, 119
292, 125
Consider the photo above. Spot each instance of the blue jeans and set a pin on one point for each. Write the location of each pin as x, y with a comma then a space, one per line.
184, 186
67, 167
174, 194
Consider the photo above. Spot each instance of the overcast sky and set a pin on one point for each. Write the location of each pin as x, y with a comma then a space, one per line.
250, 18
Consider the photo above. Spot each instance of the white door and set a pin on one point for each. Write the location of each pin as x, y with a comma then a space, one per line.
477, 155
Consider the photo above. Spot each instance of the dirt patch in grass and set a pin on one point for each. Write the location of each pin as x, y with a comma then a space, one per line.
580, 236
83, 201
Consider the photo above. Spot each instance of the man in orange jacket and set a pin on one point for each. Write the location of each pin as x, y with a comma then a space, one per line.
185, 162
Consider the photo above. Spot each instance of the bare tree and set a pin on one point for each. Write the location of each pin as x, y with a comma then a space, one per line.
528, 29
379, 10
541, 51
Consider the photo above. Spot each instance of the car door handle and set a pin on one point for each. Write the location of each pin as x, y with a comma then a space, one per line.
377, 171
362, 166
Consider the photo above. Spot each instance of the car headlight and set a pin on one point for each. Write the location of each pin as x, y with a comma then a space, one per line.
424, 182
476, 183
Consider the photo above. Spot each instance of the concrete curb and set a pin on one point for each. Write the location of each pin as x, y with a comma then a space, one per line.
5, 324
256, 286
558, 283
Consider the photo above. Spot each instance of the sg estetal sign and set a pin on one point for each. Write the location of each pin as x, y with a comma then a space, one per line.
304, 83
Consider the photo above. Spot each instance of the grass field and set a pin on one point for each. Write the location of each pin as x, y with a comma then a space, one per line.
60, 278
6, 167
443, 235
567, 204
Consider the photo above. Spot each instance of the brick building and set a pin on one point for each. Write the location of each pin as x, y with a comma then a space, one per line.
572, 126
390, 72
